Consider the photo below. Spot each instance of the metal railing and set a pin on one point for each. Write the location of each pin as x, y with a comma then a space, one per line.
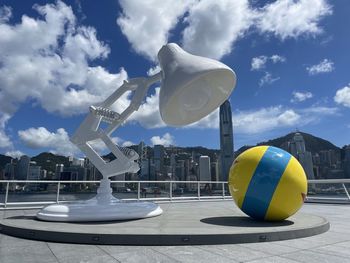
142, 190
333, 190
321, 182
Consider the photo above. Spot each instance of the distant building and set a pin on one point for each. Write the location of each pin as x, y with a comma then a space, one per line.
226, 140
34, 173
152, 171
9, 171
142, 151
92, 173
145, 170
74, 173
298, 150
58, 170
76, 161
43, 174
180, 170
214, 170
347, 162
159, 153
329, 158
22, 168
204, 168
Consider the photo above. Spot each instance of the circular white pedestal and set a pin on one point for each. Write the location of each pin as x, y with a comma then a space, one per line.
103, 207
92, 210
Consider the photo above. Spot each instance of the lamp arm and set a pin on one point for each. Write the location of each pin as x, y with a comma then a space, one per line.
90, 130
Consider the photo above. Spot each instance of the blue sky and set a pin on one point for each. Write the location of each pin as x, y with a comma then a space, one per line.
291, 59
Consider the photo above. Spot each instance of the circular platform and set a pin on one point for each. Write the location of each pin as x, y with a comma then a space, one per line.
195, 223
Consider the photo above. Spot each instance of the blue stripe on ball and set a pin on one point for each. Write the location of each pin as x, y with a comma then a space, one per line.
264, 182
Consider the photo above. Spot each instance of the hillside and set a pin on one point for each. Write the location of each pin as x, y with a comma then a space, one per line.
48, 161
312, 143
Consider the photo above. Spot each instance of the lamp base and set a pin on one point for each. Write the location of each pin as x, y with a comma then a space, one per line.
103, 207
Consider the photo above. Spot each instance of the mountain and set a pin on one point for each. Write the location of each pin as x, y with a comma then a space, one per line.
313, 144
48, 161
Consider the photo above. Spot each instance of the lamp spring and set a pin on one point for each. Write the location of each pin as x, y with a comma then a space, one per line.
107, 115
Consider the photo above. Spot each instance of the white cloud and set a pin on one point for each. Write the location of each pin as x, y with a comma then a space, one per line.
276, 117
53, 72
58, 142
301, 96
148, 114
5, 141
14, 154
291, 19
264, 119
316, 111
128, 143
146, 24
277, 58
166, 140
342, 96
324, 66
5, 14
267, 79
259, 63
215, 25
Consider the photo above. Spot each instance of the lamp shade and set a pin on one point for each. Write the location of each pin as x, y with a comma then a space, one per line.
192, 86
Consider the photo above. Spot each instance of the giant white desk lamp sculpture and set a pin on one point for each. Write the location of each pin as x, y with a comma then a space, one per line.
191, 88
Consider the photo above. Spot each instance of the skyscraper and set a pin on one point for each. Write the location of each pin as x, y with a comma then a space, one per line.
159, 153
204, 168
144, 162
226, 140
347, 161
23, 167
59, 169
298, 150
9, 170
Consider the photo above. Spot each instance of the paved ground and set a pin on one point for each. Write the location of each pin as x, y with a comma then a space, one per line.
332, 246
186, 223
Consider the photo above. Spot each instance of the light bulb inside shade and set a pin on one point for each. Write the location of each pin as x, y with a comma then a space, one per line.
198, 98
194, 99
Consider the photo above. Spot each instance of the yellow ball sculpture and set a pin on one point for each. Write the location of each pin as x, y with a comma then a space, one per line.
267, 183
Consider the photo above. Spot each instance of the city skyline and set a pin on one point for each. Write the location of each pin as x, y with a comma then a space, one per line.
289, 77
187, 164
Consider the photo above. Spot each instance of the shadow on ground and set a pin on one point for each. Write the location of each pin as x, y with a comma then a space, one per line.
243, 221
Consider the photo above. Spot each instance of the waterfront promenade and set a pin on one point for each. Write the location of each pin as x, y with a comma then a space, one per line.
332, 246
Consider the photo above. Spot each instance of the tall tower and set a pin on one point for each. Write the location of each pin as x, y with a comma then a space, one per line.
143, 162
23, 167
159, 153
347, 161
204, 168
226, 140
298, 150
